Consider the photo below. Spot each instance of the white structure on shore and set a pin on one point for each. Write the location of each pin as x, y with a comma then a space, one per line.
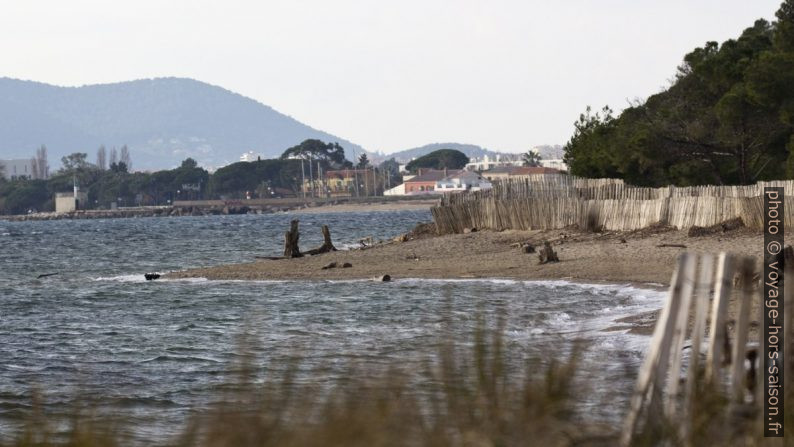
21, 168
250, 156
464, 181
398, 190
67, 202
557, 164
485, 163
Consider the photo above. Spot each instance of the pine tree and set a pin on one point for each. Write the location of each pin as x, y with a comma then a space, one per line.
784, 29
363, 161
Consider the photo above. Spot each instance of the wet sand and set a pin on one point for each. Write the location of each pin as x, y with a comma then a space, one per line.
614, 257
633, 257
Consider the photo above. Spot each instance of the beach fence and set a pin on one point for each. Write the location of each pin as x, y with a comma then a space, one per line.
559, 201
697, 309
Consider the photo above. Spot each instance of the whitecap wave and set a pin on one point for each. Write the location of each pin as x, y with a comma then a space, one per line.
122, 278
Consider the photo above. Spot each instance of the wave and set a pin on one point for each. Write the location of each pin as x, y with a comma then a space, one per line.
141, 278
180, 359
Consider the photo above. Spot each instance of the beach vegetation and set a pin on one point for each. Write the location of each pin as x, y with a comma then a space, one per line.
726, 118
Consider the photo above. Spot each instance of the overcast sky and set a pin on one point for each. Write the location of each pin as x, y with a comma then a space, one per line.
506, 75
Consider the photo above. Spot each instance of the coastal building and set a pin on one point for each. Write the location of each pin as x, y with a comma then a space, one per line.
532, 171
504, 173
462, 181
398, 190
557, 164
498, 173
250, 156
17, 169
342, 183
486, 163
67, 202
425, 181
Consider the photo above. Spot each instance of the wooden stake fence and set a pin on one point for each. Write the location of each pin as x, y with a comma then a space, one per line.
561, 201
660, 375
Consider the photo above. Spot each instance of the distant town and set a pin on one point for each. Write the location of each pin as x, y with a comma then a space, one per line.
312, 170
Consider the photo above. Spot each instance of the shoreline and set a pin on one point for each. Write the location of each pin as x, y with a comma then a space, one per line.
642, 259
234, 207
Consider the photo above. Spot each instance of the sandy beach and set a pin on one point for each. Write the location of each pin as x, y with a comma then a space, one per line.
645, 256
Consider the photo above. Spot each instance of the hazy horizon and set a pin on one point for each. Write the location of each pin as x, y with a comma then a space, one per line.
504, 75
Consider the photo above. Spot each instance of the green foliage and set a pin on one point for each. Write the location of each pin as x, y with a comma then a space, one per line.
363, 162
187, 182
77, 160
392, 169
21, 196
237, 178
531, 158
119, 167
726, 119
440, 159
330, 155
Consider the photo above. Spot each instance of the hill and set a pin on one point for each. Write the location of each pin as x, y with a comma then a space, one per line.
163, 121
471, 151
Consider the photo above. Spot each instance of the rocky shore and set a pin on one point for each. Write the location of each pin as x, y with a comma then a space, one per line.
178, 211
121, 213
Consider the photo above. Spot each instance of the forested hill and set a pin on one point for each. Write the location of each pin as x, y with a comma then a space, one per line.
163, 121
471, 151
727, 118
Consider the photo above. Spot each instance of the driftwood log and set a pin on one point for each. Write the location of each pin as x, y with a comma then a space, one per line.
291, 249
291, 238
547, 254
327, 246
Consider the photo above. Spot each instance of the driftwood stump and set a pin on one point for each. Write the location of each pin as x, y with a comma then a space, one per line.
547, 254
327, 246
291, 237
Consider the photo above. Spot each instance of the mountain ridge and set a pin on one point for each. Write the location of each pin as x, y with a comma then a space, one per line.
161, 120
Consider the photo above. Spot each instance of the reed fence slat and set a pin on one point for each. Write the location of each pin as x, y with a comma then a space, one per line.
557, 201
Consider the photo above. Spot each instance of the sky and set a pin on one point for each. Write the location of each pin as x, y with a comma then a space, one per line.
387, 75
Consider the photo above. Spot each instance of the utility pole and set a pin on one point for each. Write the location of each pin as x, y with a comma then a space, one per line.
303, 180
311, 175
320, 178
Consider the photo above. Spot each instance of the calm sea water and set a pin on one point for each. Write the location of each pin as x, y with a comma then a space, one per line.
153, 352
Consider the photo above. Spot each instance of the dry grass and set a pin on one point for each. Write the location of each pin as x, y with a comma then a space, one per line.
462, 397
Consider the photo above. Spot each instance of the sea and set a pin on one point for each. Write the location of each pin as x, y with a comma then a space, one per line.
156, 352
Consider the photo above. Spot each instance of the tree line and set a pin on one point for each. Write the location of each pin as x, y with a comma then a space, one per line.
110, 179
726, 118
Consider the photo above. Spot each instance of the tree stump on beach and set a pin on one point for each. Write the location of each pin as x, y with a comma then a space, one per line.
291, 237
547, 254
327, 246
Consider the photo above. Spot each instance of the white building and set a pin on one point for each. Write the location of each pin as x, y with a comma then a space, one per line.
17, 169
398, 190
485, 163
554, 164
67, 202
463, 181
250, 156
